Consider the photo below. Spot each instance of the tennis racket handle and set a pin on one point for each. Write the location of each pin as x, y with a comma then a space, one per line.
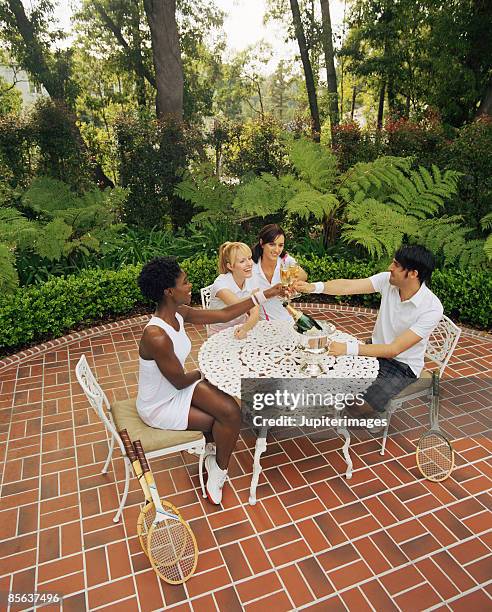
141, 456
127, 443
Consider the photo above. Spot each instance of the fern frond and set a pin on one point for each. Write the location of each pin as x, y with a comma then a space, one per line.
421, 194
314, 163
50, 242
15, 229
311, 202
377, 227
266, 195
386, 169
450, 237
486, 222
368, 241
46, 195
473, 255
207, 193
487, 247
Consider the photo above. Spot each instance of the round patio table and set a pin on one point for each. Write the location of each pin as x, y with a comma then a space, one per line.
271, 351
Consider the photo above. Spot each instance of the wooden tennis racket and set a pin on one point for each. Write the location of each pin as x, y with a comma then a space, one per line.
435, 454
147, 510
171, 545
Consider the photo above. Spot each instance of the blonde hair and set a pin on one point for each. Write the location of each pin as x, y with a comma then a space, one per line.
228, 253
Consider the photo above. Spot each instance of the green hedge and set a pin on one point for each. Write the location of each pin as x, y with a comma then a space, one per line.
52, 309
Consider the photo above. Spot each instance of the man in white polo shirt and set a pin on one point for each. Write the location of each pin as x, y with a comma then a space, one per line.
408, 314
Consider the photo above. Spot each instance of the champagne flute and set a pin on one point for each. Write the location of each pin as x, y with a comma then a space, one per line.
294, 274
285, 274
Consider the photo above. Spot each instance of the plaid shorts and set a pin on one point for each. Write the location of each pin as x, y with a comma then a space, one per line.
393, 377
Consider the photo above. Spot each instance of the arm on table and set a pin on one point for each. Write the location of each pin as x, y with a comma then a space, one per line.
400, 344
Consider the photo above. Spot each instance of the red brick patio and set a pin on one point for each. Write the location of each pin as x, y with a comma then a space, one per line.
385, 540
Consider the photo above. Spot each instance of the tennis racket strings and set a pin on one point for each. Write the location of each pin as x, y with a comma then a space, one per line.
435, 455
171, 545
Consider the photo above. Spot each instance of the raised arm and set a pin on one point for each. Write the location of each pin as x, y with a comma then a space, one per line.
196, 315
228, 297
157, 345
339, 286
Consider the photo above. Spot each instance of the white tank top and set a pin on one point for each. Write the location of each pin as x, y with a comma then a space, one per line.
154, 389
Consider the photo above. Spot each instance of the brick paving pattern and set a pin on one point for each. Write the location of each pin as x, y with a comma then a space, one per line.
384, 540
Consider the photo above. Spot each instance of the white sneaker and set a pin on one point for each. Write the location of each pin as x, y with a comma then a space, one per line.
215, 481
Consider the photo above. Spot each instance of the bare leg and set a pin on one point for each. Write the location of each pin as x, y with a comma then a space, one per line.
213, 410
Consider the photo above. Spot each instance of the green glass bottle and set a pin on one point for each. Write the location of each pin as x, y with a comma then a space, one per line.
303, 321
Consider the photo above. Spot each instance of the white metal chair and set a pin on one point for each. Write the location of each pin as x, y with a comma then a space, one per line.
123, 415
440, 347
206, 295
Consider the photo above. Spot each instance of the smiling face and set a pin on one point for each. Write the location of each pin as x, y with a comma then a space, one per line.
272, 250
181, 292
399, 276
241, 265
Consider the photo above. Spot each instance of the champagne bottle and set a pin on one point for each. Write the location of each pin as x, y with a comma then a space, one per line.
303, 321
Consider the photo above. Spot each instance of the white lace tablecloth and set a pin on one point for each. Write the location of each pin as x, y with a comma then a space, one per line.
271, 351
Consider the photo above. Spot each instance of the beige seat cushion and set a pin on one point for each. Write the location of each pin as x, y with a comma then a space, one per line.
421, 385
126, 417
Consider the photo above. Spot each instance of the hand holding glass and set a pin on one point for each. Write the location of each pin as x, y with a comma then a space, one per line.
294, 274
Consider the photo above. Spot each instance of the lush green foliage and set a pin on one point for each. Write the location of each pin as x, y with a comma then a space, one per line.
48, 310
16, 144
378, 204
471, 153
150, 167
392, 45
10, 98
253, 147
61, 153
51, 223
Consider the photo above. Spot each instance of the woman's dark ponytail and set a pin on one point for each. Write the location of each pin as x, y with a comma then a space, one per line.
256, 252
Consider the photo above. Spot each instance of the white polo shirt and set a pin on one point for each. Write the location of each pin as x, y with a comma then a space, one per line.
272, 309
226, 281
421, 313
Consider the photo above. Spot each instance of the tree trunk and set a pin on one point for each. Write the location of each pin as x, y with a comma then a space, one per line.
330, 230
166, 52
34, 62
382, 92
331, 75
308, 71
354, 98
485, 107
392, 99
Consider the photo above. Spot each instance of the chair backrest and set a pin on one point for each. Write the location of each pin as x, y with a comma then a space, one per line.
442, 342
206, 294
96, 396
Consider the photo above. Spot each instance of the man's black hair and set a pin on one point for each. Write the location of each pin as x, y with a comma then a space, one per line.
416, 257
158, 274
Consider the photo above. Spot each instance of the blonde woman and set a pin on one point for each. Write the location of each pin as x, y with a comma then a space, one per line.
234, 284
